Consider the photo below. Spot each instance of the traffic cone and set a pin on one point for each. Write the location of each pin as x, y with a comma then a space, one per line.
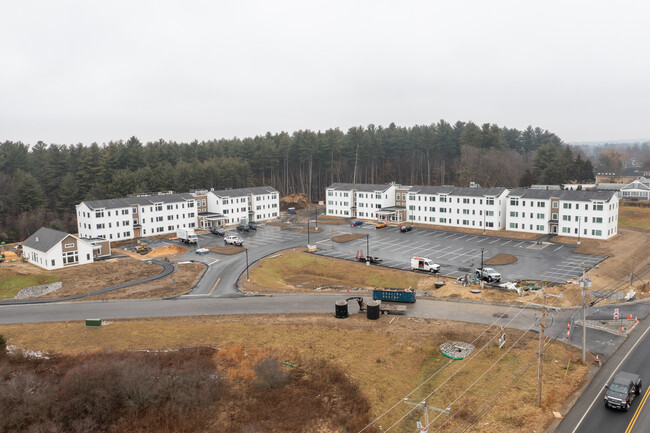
597, 360
567, 335
623, 329
628, 317
629, 326
636, 319
568, 326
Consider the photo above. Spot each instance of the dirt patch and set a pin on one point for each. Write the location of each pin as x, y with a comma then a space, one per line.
347, 238
333, 220
397, 355
303, 229
87, 278
629, 247
501, 259
167, 251
228, 249
298, 200
176, 284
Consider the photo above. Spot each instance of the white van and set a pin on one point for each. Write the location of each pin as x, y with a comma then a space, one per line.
423, 264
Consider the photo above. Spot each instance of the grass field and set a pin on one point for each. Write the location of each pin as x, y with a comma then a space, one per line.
631, 216
388, 358
298, 269
11, 283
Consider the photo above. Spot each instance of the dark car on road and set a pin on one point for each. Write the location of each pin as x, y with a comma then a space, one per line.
405, 229
621, 392
217, 231
243, 228
355, 223
252, 226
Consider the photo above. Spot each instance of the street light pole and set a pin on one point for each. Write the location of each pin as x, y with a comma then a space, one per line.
579, 221
481, 268
308, 243
367, 244
583, 283
247, 277
316, 218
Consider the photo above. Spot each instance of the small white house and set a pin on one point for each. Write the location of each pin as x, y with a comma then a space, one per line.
53, 249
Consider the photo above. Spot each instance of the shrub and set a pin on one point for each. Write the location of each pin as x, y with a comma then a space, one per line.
269, 374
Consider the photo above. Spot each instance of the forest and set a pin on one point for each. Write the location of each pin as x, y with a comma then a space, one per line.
40, 184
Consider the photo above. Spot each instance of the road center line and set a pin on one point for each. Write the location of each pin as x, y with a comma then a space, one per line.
215, 286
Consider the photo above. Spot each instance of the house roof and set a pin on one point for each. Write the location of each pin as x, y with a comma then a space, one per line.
116, 203
363, 187
239, 192
569, 195
458, 191
637, 184
609, 186
44, 239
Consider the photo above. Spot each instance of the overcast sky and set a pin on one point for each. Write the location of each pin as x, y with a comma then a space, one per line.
90, 71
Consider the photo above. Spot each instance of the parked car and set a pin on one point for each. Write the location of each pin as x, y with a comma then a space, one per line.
202, 251
380, 225
233, 240
405, 229
355, 223
622, 391
243, 228
252, 226
488, 274
424, 264
217, 231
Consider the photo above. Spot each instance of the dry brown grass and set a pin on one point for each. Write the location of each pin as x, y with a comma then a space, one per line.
387, 358
178, 283
501, 259
167, 251
228, 250
87, 278
347, 238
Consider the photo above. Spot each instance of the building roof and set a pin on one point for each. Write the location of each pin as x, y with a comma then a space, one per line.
238, 192
562, 195
44, 239
116, 203
609, 186
363, 187
637, 184
458, 191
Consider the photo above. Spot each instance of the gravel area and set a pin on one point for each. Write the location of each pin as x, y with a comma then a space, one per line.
36, 291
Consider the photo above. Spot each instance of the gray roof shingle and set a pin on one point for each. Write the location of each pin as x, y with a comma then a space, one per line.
116, 203
44, 239
365, 187
238, 192
458, 191
563, 194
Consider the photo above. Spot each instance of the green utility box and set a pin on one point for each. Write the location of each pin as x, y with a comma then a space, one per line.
93, 323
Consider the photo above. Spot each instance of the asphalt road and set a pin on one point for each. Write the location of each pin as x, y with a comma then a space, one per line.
589, 414
460, 253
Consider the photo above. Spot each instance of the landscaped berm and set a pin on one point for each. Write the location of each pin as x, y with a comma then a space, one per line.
275, 373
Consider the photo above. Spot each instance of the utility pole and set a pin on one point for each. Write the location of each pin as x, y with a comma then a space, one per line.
316, 219
367, 244
425, 428
308, 243
584, 283
540, 365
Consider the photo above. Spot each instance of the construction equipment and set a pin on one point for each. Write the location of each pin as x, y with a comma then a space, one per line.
383, 308
142, 249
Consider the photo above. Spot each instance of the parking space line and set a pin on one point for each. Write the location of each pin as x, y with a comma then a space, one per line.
558, 248
483, 239
496, 240
470, 238
506, 243
462, 237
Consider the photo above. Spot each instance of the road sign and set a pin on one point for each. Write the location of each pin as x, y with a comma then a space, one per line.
615, 313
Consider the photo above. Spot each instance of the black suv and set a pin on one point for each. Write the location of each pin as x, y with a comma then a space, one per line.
243, 228
217, 231
252, 226
405, 229
621, 392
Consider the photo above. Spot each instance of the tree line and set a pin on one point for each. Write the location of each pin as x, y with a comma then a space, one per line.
41, 184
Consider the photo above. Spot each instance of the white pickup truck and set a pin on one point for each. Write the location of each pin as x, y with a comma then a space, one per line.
488, 274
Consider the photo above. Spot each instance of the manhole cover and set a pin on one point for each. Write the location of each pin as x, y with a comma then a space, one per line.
456, 349
500, 315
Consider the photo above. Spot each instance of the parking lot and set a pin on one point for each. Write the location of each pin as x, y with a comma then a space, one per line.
460, 253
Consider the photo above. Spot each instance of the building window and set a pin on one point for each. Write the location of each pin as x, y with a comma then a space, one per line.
598, 206
70, 257
555, 205
514, 202
68, 246
489, 201
541, 204
596, 232
99, 214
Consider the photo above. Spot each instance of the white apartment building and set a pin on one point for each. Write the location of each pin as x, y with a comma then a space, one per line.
586, 214
361, 200
134, 217
479, 208
231, 206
